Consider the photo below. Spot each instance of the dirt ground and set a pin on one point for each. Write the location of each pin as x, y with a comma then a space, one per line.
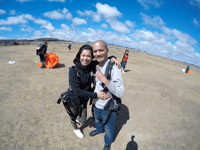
160, 111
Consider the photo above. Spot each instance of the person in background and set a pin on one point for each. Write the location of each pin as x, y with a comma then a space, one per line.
69, 46
187, 69
124, 60
42, 53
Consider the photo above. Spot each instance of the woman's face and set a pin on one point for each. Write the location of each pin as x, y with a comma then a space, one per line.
86, 57
126, 52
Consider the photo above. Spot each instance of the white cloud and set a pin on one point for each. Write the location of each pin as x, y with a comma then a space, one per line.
195, 22
110, 14
175, 34
2, 12
78, 21
118, 26
67, 14
12, 12
95, 16
5, 28
108, 11
38, 34
54, 15
21, 1
59, 14
28, 29
21, 19
27, 16
3, 38
44, 24
158, 43
13, 20
195, 3
146, 3
105, 26
63, 1
155, 21
130, 24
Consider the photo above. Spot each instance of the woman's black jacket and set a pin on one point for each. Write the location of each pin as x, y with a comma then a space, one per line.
80, 80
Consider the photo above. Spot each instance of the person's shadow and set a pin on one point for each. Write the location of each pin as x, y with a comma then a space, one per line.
127, 70
121, 120
59, 66
132, 145
89, 122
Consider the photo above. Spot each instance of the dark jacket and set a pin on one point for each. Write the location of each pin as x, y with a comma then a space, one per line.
80, 80
43, 49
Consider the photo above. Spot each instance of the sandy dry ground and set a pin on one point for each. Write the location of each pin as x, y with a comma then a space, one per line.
161, 104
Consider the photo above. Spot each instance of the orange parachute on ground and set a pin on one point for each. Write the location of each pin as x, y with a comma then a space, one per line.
51, 61
189, 72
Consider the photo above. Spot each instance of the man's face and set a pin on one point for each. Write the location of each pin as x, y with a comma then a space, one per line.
100, 52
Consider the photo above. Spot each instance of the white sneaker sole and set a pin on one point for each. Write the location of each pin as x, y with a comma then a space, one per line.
78, 133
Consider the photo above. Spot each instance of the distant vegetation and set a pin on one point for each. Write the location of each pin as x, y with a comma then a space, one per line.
7, 42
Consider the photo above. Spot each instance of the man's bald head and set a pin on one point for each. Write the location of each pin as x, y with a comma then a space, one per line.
100, 42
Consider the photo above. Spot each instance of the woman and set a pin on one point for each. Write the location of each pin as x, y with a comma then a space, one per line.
80, 91
124, 60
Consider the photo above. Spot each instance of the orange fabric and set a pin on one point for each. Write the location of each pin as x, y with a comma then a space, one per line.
189, 72
51, 60
125, 58
39, 65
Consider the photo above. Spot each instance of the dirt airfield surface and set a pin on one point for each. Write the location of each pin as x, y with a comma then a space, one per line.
160, 111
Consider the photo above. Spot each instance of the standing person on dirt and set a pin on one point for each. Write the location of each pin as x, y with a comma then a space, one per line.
115, 87
69, 46
42, 53
187, 69
124, 60
80, 91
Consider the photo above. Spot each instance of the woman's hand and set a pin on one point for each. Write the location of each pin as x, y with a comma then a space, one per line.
116, 62
101, 76
102, 95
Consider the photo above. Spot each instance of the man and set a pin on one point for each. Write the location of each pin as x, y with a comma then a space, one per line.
115, 86
187, 69
42, 53
69, 46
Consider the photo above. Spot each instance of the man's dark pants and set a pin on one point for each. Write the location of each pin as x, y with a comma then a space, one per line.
100, 117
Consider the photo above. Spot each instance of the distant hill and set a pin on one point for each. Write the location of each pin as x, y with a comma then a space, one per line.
46, 39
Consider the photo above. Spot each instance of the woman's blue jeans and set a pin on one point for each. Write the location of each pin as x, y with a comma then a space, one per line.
100, 117
123, 64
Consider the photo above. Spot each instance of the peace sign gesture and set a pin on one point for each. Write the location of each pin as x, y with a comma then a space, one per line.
101, 76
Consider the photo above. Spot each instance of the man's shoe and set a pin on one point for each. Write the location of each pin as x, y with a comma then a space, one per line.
93, 133
43, 66
106, 147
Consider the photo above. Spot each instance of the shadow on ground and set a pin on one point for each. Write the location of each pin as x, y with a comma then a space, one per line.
59, 66
88, 123
132, 145
121, 120
127, 70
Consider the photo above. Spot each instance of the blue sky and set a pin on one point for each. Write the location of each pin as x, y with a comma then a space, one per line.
164, 27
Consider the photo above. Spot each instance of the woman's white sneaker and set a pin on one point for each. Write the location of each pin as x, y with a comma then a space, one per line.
78, 133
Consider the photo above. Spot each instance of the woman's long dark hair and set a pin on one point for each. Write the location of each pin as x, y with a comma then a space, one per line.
84, 47
125, 52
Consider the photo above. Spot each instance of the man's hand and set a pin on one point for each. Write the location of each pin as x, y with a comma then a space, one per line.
101, 76
116, 62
